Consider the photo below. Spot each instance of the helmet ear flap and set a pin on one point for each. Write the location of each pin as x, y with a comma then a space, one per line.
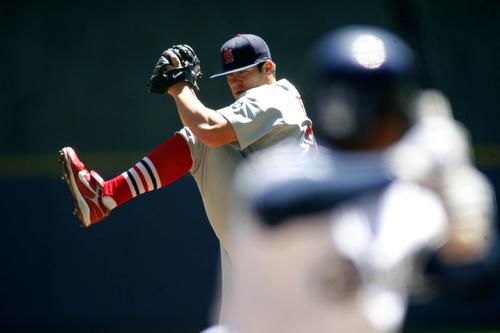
345, 113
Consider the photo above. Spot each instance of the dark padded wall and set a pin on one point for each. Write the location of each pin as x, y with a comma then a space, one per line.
74, 73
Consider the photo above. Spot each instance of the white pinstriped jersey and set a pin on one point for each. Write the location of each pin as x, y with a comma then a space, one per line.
342, 256
261, 117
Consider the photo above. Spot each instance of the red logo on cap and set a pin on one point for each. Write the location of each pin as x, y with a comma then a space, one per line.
228, 56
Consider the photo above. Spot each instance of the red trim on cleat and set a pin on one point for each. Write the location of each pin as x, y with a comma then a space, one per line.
86, 188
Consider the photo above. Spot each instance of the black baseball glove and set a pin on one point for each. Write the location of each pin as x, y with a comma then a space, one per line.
190, 71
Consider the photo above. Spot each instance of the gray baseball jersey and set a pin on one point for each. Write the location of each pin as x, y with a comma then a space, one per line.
261, 117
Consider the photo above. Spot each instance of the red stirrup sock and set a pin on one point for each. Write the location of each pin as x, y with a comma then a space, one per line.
167, 163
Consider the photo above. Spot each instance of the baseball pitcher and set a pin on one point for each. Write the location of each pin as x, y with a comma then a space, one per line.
266, 112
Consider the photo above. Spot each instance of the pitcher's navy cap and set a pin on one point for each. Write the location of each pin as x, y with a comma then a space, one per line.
241, 52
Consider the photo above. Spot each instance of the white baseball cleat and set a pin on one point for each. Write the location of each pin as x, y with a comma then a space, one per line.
86, 188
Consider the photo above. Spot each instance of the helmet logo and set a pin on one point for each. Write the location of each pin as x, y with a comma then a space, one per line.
228, 56
369, 51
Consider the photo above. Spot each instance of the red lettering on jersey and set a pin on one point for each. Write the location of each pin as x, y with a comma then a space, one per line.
309, 131
309, 136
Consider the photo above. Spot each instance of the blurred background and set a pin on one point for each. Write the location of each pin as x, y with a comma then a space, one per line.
74, 73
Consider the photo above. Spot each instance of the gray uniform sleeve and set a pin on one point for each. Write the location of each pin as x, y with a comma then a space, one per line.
195, 147
251, 120
274, 108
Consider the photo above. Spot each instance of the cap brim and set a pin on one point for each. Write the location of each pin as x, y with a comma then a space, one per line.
234, 70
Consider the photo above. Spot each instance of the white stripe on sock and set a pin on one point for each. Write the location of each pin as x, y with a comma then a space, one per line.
146, 176
155, 173
137, 180
130, 185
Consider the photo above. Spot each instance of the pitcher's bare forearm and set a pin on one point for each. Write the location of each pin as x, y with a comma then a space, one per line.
209, 126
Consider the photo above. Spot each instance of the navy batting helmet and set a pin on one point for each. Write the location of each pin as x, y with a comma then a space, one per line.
362, 72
